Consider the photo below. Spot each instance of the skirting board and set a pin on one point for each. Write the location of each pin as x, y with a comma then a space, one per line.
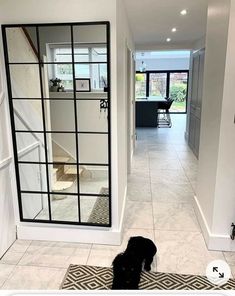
214, 242
68, 234
95, 235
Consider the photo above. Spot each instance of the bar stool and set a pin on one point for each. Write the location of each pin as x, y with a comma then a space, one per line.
163, 114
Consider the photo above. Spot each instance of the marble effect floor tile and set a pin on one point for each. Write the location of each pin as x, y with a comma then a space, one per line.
175, 216
233, 270
143, 173
164, 164
230, 257
168, 176
59, 255
183, 252
138, 215
170, 192
5, 271
138, 189
34, 278
20, 245
11, 257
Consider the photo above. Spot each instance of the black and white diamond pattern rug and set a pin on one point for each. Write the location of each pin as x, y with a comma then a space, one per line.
100, 211
81, 277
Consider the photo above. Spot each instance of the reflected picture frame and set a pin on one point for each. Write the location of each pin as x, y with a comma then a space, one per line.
83, 84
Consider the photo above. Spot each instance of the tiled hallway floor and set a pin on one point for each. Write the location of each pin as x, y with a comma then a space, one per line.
159, 206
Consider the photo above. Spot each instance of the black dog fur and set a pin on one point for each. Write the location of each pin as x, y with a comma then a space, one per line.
127, 266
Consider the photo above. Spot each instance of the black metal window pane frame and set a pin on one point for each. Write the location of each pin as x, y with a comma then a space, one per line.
44, 122
187, 88
57, 63
61, 132
76, 124
45, 132
62, 193
168, 72
58, 99
64, 163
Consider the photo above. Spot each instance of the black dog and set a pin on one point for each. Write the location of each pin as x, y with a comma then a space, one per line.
127, 266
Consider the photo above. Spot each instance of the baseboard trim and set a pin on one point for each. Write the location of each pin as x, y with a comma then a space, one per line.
68, 234
215, 242
202, 220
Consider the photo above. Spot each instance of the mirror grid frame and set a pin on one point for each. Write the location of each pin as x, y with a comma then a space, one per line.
44, 132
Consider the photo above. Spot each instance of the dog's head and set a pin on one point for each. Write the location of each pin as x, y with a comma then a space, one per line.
127, 270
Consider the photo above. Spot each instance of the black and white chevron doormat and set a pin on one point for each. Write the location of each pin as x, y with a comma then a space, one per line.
81, 277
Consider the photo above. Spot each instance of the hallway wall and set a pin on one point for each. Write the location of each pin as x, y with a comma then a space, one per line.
7, 185
78, 11
215, 202
124, 40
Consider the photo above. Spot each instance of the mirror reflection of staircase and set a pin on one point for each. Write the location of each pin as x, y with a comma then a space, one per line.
64, 174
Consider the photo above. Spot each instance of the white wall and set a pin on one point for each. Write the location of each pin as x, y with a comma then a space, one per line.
225, 185
124, 40
76, 11
200, 43
7, 185
92, 148
165, 64
215, 202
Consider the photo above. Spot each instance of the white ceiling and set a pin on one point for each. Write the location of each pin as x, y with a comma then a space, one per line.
151, 21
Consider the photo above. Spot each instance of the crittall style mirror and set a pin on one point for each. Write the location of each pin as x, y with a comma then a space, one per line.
59, 94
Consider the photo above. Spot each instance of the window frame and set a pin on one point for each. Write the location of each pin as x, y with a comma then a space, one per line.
40, 64
54, 46
168, 72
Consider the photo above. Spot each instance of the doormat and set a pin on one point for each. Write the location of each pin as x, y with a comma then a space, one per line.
100, 211
81, 277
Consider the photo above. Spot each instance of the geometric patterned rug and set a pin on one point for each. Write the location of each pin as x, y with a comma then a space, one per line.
100, 211
81, 277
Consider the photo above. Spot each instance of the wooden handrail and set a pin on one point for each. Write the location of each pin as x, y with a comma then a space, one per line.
30, 42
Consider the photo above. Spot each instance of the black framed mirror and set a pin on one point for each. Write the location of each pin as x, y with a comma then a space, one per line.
58, 79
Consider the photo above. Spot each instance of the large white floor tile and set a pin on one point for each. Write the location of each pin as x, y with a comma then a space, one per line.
170, 192
174, 216
138, 189
183, 252
20, 245
165, 164
232, 270
11, 257
230, 257
34, 278
54, 254
5, 272
138, 215
169, 176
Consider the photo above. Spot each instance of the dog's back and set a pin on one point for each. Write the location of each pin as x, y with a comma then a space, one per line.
141, 245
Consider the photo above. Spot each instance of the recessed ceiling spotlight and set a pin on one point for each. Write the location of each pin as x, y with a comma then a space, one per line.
183, 12
168, 39
173, 30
